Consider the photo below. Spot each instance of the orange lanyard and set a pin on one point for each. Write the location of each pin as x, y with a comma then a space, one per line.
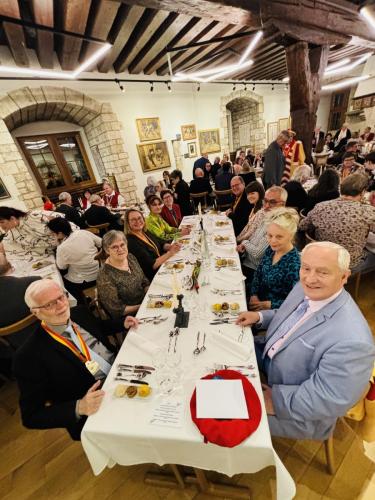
236, 203
148, 242
83, 355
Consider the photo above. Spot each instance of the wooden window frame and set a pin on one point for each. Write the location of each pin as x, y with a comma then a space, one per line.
62, 165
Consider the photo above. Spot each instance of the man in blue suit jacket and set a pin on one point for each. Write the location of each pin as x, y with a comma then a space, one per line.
318, 352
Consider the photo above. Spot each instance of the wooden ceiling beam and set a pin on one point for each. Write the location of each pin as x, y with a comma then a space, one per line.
43, 14
74, 18
124, 25
160, 39
99, 24
243, 12
209, 30
14, 33
147, 27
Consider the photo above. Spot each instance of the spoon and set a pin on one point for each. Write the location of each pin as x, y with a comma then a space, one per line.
197, 350
203, 348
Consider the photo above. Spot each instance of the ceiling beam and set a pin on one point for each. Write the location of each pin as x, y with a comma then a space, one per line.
100, 22
14, 34
74, 18
43, 14
147, 27
125, 22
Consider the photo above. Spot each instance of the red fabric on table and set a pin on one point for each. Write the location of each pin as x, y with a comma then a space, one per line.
230, 432
371, 393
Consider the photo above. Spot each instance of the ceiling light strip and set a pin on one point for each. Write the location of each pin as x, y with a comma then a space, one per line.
345, 83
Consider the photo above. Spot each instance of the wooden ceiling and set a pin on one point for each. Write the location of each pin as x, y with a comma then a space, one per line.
141, 30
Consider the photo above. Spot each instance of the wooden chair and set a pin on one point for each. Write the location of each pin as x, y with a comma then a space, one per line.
321, 162
17, 327
197, 198
330, 455
101, 228
218, 194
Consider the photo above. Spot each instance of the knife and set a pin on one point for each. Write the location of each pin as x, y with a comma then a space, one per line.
137, 367
135, 370
131, 381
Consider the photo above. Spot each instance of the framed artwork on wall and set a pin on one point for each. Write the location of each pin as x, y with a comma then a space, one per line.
284, 124
366, 102
192, 149
3, 191
209, 140
154, 156
272, 131
148, 129
357, 104
189, 132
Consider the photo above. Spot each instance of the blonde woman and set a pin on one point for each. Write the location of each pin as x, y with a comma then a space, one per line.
278, 270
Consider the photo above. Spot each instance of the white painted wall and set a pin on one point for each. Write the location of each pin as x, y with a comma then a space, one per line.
183, 105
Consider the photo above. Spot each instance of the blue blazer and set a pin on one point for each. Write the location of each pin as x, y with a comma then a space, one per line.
321, 370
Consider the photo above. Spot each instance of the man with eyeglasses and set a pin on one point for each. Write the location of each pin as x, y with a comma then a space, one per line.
241, 208
60, 367
255, 244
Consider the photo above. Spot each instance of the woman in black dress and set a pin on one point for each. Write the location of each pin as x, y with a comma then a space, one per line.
182, 192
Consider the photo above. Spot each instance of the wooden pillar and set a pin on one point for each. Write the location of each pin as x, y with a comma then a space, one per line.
305, 68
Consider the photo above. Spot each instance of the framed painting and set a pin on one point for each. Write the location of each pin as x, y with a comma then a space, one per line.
148, 129
367, 102
189, 132
272, 131
3, 191
192, 149
357, 104
284, 124
154, 156
209, 141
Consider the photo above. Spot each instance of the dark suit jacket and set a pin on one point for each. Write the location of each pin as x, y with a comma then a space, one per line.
248, 177
181, 189
48, 372
200, 185
71, 214
343, 141
96, 215
222, 183
274, 162
200, 163
240, 214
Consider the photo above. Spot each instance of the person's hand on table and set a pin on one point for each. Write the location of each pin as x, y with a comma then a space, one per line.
228, 212
90, 404
258, 305
174, 248
247, 318
185, 231
130, 322
267, 395
240, 248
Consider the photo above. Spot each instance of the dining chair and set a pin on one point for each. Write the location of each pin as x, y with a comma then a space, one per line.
225, 193
197, 198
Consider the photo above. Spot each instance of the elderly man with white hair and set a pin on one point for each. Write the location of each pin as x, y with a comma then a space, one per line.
71, 213
318, 353
60, 367
200, 184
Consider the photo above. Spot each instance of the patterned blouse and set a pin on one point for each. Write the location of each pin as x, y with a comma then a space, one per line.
342, 221
274, 281
161, 229
118, 289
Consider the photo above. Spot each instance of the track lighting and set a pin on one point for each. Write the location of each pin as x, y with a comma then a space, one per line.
151, 86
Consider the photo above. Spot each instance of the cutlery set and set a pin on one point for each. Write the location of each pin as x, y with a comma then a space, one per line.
198, 350
137, 371
152, 319
173, 334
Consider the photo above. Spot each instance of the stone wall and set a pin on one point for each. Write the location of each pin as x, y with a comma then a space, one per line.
100, 124
246, 107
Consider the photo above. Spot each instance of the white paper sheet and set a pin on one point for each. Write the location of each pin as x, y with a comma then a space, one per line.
168, 413
221, 399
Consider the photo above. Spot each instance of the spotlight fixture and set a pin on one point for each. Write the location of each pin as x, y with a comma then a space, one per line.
168, 84
198, 87
151, 86
245, 86
253, 87
234, 87
286, 87
273, 87
121, 87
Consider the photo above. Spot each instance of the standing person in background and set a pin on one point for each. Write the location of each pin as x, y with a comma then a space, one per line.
274, 161
249, 156
215, 167
200, 163
112, 199
170, 212
182, 193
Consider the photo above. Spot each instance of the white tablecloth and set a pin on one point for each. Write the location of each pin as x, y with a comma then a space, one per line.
120, 431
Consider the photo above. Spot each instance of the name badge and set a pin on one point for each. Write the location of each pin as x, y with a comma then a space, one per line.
92, 366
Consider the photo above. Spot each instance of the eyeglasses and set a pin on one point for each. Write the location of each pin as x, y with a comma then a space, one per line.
236, 185
272, 203
156, 204
51, 305
136, 219
121, 246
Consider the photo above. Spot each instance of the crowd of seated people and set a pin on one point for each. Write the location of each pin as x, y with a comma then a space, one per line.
279, 282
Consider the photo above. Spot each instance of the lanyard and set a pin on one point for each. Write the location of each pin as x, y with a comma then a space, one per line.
236, 203
83, 354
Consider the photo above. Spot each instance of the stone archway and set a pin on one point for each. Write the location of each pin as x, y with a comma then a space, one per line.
98, 120
248, 107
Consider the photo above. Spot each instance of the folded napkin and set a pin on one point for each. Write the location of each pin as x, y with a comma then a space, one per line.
164, 281
232, 279
242, 351
144, 345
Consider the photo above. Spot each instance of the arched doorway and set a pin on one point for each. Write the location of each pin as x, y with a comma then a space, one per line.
100, 124
242, 121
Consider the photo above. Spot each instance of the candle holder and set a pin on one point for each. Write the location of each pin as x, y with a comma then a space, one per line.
182, 316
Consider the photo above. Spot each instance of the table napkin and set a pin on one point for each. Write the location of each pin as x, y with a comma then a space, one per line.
240, 350
141, 343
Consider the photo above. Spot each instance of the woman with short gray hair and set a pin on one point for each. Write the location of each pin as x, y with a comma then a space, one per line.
121, 283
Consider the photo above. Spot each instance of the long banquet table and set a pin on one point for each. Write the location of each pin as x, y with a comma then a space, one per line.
121, 431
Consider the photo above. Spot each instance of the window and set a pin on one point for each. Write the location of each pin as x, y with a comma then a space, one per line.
59, 161
339, 107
